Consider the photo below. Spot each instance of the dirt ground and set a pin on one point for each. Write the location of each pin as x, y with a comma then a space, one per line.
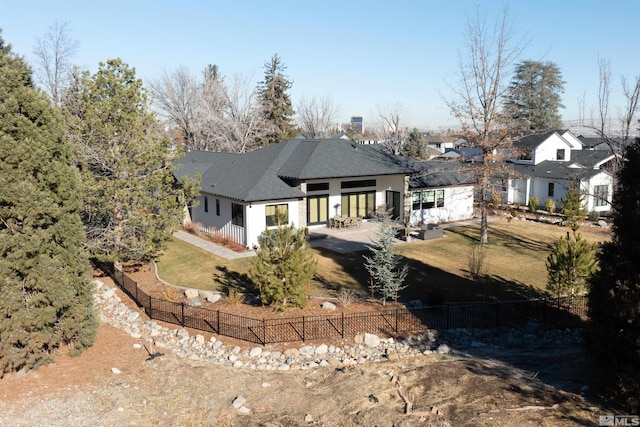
433, 390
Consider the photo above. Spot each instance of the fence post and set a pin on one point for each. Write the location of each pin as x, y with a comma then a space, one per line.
343, 324
303, 334
397, 311
264, 331
182, 310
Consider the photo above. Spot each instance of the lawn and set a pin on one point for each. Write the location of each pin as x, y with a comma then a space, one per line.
515, 265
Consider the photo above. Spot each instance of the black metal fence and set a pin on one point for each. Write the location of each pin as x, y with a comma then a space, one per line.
385, 321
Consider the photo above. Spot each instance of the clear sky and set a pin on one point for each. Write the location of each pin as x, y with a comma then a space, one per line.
362, 54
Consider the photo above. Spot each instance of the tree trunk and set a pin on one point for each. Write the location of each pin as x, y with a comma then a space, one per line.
483, 223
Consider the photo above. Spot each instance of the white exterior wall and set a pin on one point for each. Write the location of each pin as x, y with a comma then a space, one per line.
600, 179
458, 205
548, 150
256, 219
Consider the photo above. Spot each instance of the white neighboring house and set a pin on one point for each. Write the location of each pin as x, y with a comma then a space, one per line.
441, 192
309, 180
549, 162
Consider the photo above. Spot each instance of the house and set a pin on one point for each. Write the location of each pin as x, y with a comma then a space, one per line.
441, 192
443, 143
310, 181
547, 164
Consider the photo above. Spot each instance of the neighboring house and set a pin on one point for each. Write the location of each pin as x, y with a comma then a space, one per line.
441, 192
308, 180
443, 143
547, 164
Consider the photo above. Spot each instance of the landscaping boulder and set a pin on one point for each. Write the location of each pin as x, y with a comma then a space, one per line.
191, 293
371, 340
328, 305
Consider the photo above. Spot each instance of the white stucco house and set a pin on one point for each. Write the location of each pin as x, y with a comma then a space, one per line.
312, 180
309, 180
546, 165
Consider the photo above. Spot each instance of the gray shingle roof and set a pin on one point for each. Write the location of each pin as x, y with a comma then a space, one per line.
532, 141
442, 174
554, 170
273, 172
590, 158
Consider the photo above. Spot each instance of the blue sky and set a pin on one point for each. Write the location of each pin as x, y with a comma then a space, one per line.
362, 54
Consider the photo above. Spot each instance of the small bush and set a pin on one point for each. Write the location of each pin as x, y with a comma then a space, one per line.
171, 294
593, 216
346, 296
191, 228
496, 197
234, 297
550, 206
533, 204
476, 257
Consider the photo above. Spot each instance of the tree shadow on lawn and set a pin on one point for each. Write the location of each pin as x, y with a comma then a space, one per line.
431, 285
516, 243
240, 282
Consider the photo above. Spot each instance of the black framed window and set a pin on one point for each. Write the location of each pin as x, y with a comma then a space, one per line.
601, 195
237, 214
560, 154
358, 184
318, 186
218, 207
206, 204
552, 188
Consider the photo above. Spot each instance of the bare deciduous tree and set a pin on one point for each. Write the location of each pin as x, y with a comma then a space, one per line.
478, 96
242, 125
53, 54
390, 131
627, 114
316, 116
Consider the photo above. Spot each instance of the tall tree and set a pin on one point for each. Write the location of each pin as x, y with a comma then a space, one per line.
277, 109
614, 298
572, 206
283, 265
478, 96
53, 54
131, 204
47, 299
415, 147
316, 116
533, 99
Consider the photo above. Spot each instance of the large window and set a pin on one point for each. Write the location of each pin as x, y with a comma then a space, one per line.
317, 209
427, 199
359, 204
237, 214
272, 210
601, 195
560, 154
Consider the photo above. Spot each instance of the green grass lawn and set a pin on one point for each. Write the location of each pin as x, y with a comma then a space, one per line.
515, 265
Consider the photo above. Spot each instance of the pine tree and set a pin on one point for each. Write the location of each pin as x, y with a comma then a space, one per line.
131, 203
387, 277
572, 205
415, 146
47, 299
570, 264
277, 110
613, 336
533, 99
283, 266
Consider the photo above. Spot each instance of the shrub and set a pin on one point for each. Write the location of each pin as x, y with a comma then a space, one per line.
346, 296
476, 257
593, 215
550, 206
171, 294
234, 297
533, 204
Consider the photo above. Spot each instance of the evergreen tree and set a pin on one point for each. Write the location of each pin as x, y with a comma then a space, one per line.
47, 299
533, 99
415, 146
387, 277
614, 298
570, 264
572, 205
131, 205
277, 110
283, 266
